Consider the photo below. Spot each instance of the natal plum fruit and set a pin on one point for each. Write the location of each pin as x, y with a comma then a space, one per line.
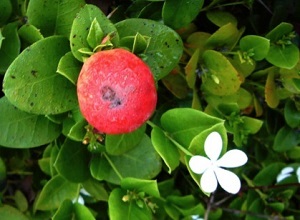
116, 91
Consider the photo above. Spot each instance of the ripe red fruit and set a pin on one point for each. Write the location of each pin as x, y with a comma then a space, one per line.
116, 91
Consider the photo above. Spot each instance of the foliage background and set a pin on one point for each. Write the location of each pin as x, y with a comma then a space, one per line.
230, 66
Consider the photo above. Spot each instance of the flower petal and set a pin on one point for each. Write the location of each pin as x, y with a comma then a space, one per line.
228, 180
213, 145
199, 164
232, 158
282, 176
209, 181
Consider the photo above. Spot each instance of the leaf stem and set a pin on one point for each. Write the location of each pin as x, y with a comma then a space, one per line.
113, 166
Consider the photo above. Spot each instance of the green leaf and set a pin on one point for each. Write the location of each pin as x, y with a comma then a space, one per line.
69, 67
221, 18
95, 34
191, 68
10, 46
2, 170
140, 162
9, 212
179, 13
165, 148
81, 29
229, 80
271, 95
21, 201
5, 11
257, 45
286, 139
55, 192
65, 211
291, 114
255, 207
251, 125
283, 57
82, 212
32, 84
225, 37
139, 185
53, 17
30, 34
72, 161
165, 47
267, 175
24, 130
118, 209
96, 189
185, 123
119, 144
279, 31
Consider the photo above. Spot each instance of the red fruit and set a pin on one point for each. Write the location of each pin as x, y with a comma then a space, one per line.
116, 91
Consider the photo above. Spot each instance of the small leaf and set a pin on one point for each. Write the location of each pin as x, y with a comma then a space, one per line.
82, 212
259, 46
283, 57
72, 161
10, 45
165, 148
291, 114
191, 68
65, 211
9, 212
24, 130
21, 201
279, 31
30, 34
96, 189
228, 77
286, 139
271, 96
32, 84
118, 209
55, 192
179, 13
69, 67
95, 34
267, 175
221, 18
176, 83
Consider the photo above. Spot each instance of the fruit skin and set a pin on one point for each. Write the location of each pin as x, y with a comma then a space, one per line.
116, 91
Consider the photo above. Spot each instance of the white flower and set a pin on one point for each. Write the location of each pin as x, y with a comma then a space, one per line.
285, 173
211, 170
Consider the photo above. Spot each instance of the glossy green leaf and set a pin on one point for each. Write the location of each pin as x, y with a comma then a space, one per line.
24, 130
176, 84
191, 68
165, 47
30, 34
221, 18
95, 34
69, 67
21, 201
81, 29
271, 96
283, 57
179, 13
286, 139
197, 40
140, 162
82, 212
279, 31
32, 84
165, 148
65, 211
55, 192
10, 46
229, 81
251, 125
255, 207
53, 17
9, 212
258, 46
291, 114
72, 161
225, 37
119, 144
139, 185
5, 11
185, 123
267, 175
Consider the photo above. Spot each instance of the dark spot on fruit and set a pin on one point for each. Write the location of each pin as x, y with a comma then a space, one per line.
12, 76
108, 94
117, 102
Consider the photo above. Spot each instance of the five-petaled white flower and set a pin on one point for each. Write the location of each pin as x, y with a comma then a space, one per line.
211, 170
